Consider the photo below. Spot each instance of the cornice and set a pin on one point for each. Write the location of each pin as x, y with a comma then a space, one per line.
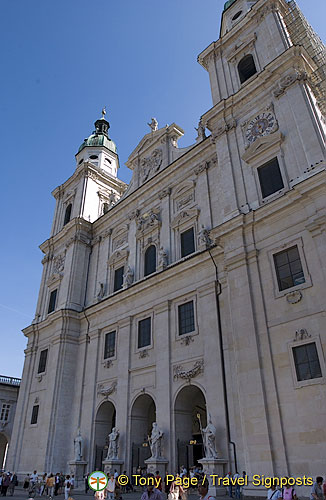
78, 229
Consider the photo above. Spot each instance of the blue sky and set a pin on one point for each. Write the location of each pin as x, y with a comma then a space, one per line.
62, 61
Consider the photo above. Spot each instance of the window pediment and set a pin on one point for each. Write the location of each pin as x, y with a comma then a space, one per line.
118, 255
185, 216
261, 145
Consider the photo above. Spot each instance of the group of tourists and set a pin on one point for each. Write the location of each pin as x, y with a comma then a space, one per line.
48, 485
318, 491
8, 482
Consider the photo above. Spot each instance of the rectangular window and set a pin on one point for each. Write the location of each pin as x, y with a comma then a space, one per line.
118, 279
288, 268
34, 414
270, 178
306, 362
186, 318
144, 333
52, 301
109, 347
4, 416
187, 242
42, 362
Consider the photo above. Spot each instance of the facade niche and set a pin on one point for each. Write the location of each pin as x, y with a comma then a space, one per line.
67, 214
150, 260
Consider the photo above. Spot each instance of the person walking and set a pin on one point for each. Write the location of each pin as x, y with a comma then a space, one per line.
203, 490
67, 485
50, 483
86, 483
273, 493
316, 490
288, 492
237, 485
230, 492
13, 484
5, 484
110, 487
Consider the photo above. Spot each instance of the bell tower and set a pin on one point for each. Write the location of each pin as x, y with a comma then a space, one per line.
267, 77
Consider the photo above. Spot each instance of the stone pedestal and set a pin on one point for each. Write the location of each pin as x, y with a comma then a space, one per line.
78, 469
154, 464
112, 464
214, 466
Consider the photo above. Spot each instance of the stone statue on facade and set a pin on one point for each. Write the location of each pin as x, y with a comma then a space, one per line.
162, 258
101, 291
113, 445
153, 125
208, 434
128, 277
204, 237
155, 441
201, 135
78, 446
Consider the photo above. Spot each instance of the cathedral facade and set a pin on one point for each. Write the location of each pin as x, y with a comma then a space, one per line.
198, 288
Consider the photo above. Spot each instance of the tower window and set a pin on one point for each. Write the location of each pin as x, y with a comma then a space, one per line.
108, 160
237, 15
80, 161
246, 68
42, 362
270, 178
187, 242
118, 279
34, 414
109, 348
288, 268
93, 157
306, 362
52, 301
144, 333
150, 260
67, 214
186, 318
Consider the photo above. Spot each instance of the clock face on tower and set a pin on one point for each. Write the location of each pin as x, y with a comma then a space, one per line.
260, 126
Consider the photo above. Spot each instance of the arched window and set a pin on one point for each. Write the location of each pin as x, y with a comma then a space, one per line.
150, 260
246, 68
67, 214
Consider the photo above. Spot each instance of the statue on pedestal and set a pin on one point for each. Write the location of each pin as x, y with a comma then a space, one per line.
113, 445
155, 441
208, 434
78, 446
128, 277
162, 258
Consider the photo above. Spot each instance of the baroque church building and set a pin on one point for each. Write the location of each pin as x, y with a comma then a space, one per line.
199, 288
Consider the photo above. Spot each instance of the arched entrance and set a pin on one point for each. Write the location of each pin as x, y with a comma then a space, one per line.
104, 423
143, 414
189, 403
3, 450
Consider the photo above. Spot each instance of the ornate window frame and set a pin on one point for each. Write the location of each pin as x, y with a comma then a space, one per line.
296, 343
239, 51
137, 319
117, 259
288, 243
180, 301
263, 150
184, 220
108, 329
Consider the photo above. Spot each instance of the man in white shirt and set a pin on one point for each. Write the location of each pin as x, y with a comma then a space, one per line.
203, 490
34, 477
273, 493
110, 487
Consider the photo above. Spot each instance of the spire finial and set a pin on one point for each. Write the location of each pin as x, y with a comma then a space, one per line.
103, 112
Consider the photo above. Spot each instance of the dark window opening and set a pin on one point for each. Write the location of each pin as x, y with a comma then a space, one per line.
109, 348
237, 15
150, 260
246, 68
144, 333
118, 279
42, 362
80, 161
186, 318
93, 157
52, 301
106, 207
306, 362
270, 178
288, 268
67, 214
187, 242
108, 160
34, 414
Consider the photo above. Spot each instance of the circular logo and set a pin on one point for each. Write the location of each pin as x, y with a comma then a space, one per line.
97, 480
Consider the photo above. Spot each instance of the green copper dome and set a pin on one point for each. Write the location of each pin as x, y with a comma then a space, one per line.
100, 136
99, 140
228, 4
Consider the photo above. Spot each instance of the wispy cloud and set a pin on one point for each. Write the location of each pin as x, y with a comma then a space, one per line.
15, 311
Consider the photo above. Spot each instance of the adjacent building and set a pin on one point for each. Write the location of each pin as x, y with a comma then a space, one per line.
9, 389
